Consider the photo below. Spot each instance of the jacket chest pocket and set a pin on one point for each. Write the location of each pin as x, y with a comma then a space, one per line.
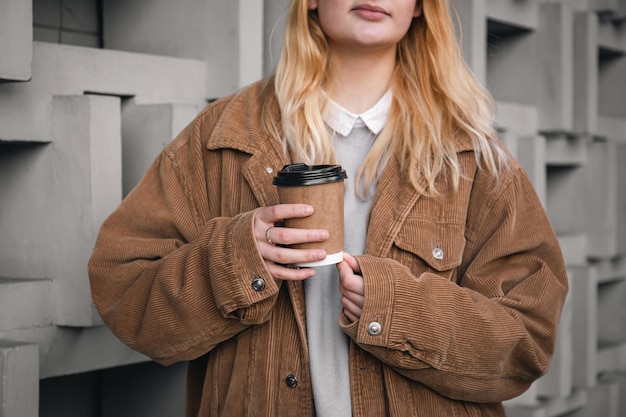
427, 246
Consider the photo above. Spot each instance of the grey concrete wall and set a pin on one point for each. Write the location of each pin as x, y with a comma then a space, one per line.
226, 35
87, 105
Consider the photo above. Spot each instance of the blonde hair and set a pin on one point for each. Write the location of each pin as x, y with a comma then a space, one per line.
436, 99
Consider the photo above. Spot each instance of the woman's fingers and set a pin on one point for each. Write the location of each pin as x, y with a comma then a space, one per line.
289, 256
352, 287
274, 241
289, 272
277, 235
352, 311
272, 214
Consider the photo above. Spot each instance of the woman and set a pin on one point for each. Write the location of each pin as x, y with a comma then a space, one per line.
449, 296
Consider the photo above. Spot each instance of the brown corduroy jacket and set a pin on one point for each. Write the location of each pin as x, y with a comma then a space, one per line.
467, 287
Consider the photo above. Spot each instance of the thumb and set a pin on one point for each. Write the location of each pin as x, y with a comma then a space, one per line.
351, 261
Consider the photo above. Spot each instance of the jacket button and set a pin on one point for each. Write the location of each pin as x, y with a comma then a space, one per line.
258, 284
291, 381
374, 328
438, 253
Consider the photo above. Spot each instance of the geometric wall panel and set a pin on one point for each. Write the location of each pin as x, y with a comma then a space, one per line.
585, 68
86, 143
226, 35
19, 384
37, 293
555, 62
16, 37
146, 129
600, 202
584, 295
72, 70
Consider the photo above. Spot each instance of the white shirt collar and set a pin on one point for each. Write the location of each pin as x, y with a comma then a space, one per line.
342, 121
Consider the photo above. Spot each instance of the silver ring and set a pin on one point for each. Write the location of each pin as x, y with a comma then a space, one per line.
267, 236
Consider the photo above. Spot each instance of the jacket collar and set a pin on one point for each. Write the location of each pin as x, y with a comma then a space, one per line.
244, 131
238, 126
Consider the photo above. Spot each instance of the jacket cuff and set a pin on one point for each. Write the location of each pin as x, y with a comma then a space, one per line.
374, 326
248, 291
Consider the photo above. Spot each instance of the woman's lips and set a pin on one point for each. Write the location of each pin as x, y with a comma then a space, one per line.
370, 12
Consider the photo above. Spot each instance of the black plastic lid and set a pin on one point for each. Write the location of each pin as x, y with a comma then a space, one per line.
295, 175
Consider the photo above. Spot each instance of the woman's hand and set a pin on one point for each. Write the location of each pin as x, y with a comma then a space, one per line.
271, 239
351, 286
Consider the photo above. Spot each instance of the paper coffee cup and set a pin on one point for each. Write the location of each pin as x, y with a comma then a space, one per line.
321, 186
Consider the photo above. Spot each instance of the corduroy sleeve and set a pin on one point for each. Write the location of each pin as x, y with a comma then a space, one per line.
167, 283
486, 336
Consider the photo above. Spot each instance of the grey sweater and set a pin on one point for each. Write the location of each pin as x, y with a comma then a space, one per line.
328, 345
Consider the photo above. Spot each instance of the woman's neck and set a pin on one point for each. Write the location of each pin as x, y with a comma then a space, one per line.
359, 80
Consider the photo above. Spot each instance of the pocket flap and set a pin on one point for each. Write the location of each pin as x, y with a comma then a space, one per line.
440, 245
